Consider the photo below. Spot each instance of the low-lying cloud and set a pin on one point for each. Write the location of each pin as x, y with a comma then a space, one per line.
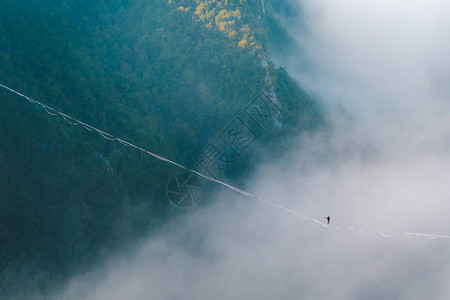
384, 166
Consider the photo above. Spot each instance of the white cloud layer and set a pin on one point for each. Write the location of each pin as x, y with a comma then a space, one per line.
387, 167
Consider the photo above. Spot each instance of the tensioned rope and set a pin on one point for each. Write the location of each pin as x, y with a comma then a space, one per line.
74, 122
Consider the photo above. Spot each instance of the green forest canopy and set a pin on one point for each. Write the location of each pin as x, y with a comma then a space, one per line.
166, 75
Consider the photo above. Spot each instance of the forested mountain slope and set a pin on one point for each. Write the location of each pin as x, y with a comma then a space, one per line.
172, 76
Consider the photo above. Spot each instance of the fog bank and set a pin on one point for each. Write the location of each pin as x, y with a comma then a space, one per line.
381, 69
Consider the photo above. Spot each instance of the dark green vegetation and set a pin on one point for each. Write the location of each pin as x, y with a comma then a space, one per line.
146, 71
